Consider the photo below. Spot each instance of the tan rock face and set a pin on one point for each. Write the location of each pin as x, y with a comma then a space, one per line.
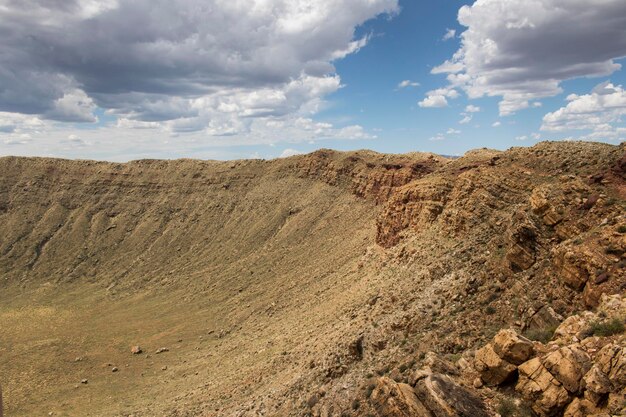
568, 365
522, 241
414, 206
616, 402
397, 400
544, 318
512, 347
611, 361
597, 385
444, 398
580, 408
541, 388
493, 369
569, 330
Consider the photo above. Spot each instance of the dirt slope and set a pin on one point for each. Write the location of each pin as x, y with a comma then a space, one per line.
274, 282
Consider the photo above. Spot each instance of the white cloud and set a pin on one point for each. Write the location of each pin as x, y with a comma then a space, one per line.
407, 84
522, 50
466, 119
438, 97
452, 131
289, 152
522, 138
215, 68
496, 124
468, 114
434, 101
74, 106
450, 34
600, 112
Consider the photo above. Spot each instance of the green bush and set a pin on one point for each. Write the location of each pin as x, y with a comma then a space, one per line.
507, 408
540, 335
605, 328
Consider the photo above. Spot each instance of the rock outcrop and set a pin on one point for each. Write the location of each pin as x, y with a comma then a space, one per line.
576, 374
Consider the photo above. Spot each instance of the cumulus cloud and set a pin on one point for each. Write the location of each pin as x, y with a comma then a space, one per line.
496, 124
188, 66
438, 97
522, 50
600, 112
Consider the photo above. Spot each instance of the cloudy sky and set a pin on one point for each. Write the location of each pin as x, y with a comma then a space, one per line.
222, 79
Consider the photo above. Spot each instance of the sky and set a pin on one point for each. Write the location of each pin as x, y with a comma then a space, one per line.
121, 80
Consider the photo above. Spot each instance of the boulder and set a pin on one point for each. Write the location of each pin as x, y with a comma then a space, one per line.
617, 402
580, 408
445, 398
568, 365
597, 385
569, 331
611, 360
438, 365
492, 368
541, 388
391, 399
544, 318
512, 347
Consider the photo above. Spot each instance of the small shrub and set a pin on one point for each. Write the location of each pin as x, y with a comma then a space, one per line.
613, 250
622, 228
540, 335
507, 408
356, 404
605, 328
490, 310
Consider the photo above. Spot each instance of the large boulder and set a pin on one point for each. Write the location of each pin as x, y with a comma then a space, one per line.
538, 386
543, 318
512, 347
492, 368
571, 329
397, 400
568, 365
445, 398
597, 385
611, 360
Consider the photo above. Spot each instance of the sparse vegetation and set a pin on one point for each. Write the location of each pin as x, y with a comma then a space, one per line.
490, 310
605, 328
622, 229
540, 335
507, 408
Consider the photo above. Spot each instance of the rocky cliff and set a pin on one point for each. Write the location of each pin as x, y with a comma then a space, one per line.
329, 284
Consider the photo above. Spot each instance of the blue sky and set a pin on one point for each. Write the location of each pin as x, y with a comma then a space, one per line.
283, 77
